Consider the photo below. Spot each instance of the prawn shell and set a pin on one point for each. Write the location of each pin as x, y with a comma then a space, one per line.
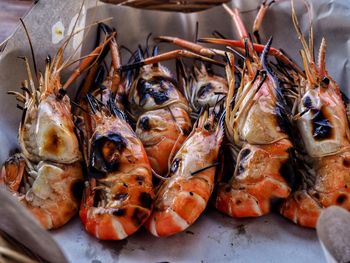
53, 197
260, 123
258, 179
162, 133
304, 206
47, 132
162, 114
12, 172
127, 183
184, 196
324, 126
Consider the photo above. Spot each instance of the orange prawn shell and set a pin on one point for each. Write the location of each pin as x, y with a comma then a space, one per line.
327, 146
184, 196
166, 114
257, 179
50, 146
162, 136
328, 102
129, 187
52, 199
255, 128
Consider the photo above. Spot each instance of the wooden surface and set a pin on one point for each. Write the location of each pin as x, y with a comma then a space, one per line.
10, 12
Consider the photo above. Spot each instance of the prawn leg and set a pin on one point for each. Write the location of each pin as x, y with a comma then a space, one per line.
259, 19
168, 56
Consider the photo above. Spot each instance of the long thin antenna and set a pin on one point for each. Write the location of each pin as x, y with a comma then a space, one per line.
31, 48
196, 32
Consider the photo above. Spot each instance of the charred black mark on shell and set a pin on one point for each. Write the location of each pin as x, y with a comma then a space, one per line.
191, 194
287, 169
242, 159
321, 126
341, 199
281, 104
139, 216
54, 144
119, 212
157, 88
106, 152
144, 123
146, 200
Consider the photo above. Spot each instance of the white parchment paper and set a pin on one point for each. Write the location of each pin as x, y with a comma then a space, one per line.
214, 237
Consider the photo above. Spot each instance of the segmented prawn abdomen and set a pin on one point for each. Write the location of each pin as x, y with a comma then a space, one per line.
162, 133
161, 112
183, 197
119, 196
50, 189
260, 176
331, 187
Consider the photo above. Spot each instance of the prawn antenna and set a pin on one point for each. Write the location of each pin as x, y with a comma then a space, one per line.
31, 47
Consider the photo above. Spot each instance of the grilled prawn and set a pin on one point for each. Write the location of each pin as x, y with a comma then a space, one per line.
202, 87
185, 193
45, 173
161, 111
118, 196
257, 133
320, 117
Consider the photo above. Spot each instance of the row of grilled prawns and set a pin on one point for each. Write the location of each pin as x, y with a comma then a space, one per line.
268, 131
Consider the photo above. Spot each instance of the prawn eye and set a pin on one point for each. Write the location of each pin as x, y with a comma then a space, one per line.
207, 126
175, 165
144, 123
307, 102
106, 152
61, 93
325, 82
204, 90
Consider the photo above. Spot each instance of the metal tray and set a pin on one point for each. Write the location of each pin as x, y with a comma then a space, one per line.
214, 237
